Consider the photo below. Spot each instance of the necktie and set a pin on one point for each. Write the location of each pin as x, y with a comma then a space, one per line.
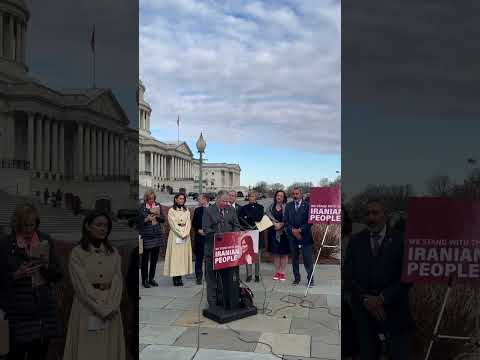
297, 205
376, 243
222, 216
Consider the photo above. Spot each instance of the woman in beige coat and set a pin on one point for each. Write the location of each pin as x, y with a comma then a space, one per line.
178, 258
95, 328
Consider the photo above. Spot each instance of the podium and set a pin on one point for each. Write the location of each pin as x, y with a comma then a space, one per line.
229, 307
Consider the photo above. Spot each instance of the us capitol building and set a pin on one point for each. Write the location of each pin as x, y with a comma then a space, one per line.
171, 166
75, 138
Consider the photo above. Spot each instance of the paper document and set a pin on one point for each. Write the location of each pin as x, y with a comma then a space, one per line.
264, 224
179, 240
140, 245
41, 251
95, 323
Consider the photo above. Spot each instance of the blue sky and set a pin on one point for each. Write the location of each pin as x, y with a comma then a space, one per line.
260, 76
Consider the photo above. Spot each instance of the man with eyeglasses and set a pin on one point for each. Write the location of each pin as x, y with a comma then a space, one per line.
217, 218
379, 299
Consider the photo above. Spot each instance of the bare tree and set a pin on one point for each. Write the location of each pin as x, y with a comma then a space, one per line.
440, 186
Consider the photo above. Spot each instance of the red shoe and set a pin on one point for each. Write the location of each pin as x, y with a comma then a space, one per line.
282, 277
277, 276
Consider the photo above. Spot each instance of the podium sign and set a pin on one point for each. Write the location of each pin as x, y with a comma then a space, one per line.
233, 249
325, 205
442, 241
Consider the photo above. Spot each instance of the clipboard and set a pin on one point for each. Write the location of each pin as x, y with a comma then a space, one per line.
264, 224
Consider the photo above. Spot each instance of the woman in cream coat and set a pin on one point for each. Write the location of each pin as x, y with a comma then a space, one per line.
178, 258
95, 328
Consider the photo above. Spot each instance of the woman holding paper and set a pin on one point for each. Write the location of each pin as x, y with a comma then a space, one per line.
278, 244
31, 269
149, 220
95, 328
178, 258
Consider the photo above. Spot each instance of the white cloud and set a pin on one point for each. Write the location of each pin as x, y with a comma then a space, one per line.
268, 70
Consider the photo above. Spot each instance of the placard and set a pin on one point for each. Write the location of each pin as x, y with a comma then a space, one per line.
325, 205
235, 248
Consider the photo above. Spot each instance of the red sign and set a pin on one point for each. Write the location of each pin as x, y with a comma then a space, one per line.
325, 205
234, 249
442, 240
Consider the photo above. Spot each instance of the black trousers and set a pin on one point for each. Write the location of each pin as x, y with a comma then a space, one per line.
36, 350
152, 256
199, 250
398, 345
307, 252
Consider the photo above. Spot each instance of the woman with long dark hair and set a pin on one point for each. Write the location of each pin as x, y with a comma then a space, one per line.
178, 257
248, 253
95, 328
31, 270
278, 244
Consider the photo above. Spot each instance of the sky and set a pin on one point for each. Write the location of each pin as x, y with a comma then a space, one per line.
260, 79
410, 85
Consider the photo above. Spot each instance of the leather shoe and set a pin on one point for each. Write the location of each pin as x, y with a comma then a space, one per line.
199, 281
145, 284
249, 278
153, 283
257, 278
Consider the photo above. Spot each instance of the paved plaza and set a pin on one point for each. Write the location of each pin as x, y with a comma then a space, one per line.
169, 319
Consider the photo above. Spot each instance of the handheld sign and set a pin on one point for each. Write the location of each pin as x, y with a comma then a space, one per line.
235, 248
325, 205
442, 241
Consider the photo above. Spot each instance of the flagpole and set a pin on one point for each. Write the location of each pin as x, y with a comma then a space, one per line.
178, 129
92, 46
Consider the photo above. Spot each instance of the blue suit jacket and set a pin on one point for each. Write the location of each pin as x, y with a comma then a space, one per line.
298, 220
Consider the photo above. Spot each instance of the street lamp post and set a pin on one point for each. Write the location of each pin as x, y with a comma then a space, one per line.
201, 145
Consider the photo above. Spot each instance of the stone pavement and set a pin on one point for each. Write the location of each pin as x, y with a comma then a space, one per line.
169, 321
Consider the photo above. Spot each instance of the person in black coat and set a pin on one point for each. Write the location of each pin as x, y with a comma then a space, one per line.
379, 299
299, 233
28, 297
248, 215
199, 242
149, 219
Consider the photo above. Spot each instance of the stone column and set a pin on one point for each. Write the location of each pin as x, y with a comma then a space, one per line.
115, 156
2, 38
11, 37
54, 147
105, 171
31, 130
80, 150
87, 145
99, 152
61, 149
111, 162
47, 153
18, 42
159, 166
93, 139
24, 41
121, 152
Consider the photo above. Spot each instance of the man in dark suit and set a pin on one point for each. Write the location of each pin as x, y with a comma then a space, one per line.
199, 242
299, 235
232, 199
379, 299
217, 218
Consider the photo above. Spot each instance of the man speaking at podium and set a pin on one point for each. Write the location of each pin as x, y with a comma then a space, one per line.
217, 218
